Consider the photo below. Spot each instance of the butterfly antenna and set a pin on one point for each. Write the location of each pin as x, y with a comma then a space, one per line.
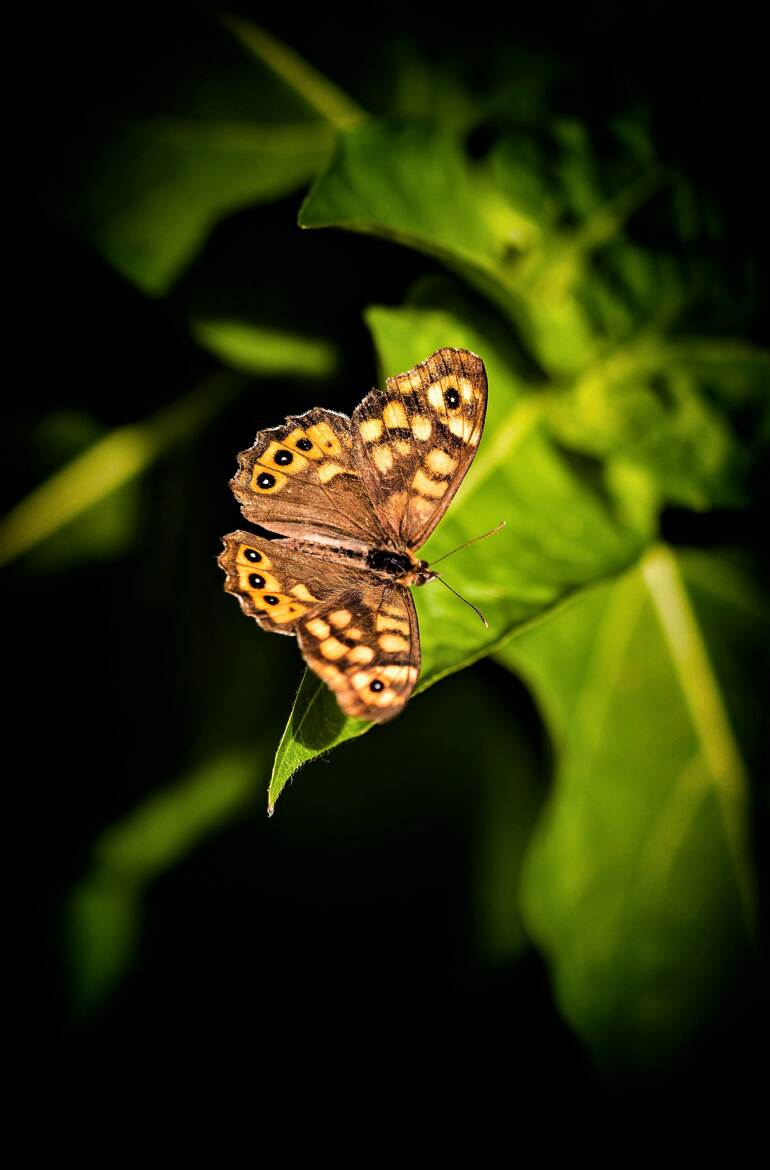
465, 599
473, 540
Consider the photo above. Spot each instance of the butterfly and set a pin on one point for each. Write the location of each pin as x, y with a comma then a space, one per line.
353, 499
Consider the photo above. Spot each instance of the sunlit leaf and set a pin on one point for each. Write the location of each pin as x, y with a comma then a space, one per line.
413, 183
103, 531
639, 886
650, 403
256, 349
108, 465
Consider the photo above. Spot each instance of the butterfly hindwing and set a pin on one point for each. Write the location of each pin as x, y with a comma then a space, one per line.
357, 630
301, 477
365, 645
414, 443
278, 582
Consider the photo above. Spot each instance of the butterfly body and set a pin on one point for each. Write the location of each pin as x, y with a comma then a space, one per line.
353, 499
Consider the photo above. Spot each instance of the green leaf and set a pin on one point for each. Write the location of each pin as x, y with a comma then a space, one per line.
509, 790
236, 120
410, 182
152, 194
651, 404
105, 530
594, 311
105, 909
318, 91
109, 464
559, 534
316, 724
639, 887
266, 352
414, 184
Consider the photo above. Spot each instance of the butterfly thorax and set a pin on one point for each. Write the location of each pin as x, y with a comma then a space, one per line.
402, 567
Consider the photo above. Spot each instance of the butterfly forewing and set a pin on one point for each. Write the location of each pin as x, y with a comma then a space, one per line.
278, 583
414, 443
302, 478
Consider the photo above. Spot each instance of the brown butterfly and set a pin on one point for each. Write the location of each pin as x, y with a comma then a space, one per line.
353, 499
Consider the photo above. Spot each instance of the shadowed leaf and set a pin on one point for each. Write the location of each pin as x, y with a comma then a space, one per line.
638, 886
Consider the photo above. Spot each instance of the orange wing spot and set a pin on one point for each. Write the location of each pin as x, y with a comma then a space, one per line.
324, 437
318, 628
328, 471
421, 508
268, 459
340, 618
384, 621
330, 674
392, 643
332, 648
287, 613
392, 672
255, 566
383, 458
361, 655
436, 397
266, 480
439, 462
371, 429
271, 585
461, 426
429, 487
362, 680
303, 593
394, 415
393, 508
292, 440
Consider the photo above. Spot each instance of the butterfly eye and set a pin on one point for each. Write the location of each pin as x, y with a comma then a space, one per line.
284, 458
452, 399
265, 480
256, 581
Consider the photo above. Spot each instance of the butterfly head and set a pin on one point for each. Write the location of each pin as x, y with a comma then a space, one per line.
418, 574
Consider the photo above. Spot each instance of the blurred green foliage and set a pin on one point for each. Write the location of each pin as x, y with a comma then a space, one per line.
628, 406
